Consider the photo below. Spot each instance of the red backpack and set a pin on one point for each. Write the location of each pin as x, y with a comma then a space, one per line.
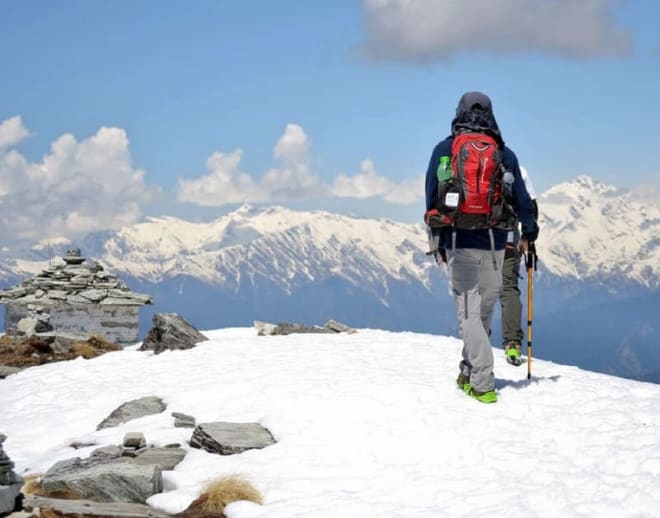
470, 195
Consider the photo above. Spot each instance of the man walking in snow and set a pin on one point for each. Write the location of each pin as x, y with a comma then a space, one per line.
512, 333
469, 165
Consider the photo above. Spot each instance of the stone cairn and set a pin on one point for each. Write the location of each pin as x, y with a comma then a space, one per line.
73, 280
10, 482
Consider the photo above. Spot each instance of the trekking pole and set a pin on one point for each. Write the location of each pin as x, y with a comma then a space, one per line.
530, 262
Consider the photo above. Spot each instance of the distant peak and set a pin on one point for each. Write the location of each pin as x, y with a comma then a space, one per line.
588, 182
584, 185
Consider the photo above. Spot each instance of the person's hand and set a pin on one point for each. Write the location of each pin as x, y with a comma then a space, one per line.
523, 246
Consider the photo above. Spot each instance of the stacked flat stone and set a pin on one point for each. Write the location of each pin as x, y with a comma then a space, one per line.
10, 482
74, 280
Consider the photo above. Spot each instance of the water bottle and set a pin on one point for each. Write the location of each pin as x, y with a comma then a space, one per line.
444, 172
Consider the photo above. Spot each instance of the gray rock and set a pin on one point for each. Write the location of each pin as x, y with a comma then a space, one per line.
133, 410
230, 438
76, 299
166, 458
94, 295
117, 301
338, 327
8, 496
134, 440
104, 479
183, 420
171, 332
8, 371
87, 508
108, 451
57, 294
264, 329
3, 438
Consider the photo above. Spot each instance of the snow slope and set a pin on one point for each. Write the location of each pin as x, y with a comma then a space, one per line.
368, 425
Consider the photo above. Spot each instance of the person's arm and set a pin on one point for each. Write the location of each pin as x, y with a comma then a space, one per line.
523, 202
432, 179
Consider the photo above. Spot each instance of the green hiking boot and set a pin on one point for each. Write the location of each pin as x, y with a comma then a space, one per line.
462, 380
513, 352
483, 397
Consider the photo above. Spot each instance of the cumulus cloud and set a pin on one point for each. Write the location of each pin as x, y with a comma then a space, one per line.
77, 187
12, 132
365, 184
293, 180
226, 183
428, 30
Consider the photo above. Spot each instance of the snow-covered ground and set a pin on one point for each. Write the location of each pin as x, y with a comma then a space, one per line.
368, 425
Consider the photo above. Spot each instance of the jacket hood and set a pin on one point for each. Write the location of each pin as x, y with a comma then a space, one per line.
475, 113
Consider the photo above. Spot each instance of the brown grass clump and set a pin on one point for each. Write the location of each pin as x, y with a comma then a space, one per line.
220, 493
32, 485
94, 346
84, 349
21, 351
225, 490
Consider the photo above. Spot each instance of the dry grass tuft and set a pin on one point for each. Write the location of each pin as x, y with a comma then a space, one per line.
21, 351
225, 490
32, 485
84, 349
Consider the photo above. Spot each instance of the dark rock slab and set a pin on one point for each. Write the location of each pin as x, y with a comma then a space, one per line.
230, 438
104, 479
60, 508
171, 332
8, 496
6, 370
133, 410
165, 458
286, 328
183, 420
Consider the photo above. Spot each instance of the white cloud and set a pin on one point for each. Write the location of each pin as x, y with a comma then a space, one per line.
407, 192
428, 30
365, 184
294, 180
225, 183
12, 132
77, 187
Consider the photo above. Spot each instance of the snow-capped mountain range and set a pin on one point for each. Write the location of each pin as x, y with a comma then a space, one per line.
589, 231
597, 289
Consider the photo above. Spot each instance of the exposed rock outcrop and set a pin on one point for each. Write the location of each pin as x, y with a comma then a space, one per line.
133, 410
171, 332
285, 328
10, 482
230, 438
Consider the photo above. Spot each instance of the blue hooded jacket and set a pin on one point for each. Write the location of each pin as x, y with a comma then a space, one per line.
474, 113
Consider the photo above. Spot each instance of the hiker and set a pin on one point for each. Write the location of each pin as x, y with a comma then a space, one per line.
473, 187
512, 333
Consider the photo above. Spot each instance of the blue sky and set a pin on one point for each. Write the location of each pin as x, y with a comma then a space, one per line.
117, 110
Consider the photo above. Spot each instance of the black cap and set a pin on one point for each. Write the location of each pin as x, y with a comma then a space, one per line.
474, 101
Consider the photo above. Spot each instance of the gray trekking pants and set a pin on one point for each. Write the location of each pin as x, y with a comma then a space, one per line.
476, 284
510, 297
